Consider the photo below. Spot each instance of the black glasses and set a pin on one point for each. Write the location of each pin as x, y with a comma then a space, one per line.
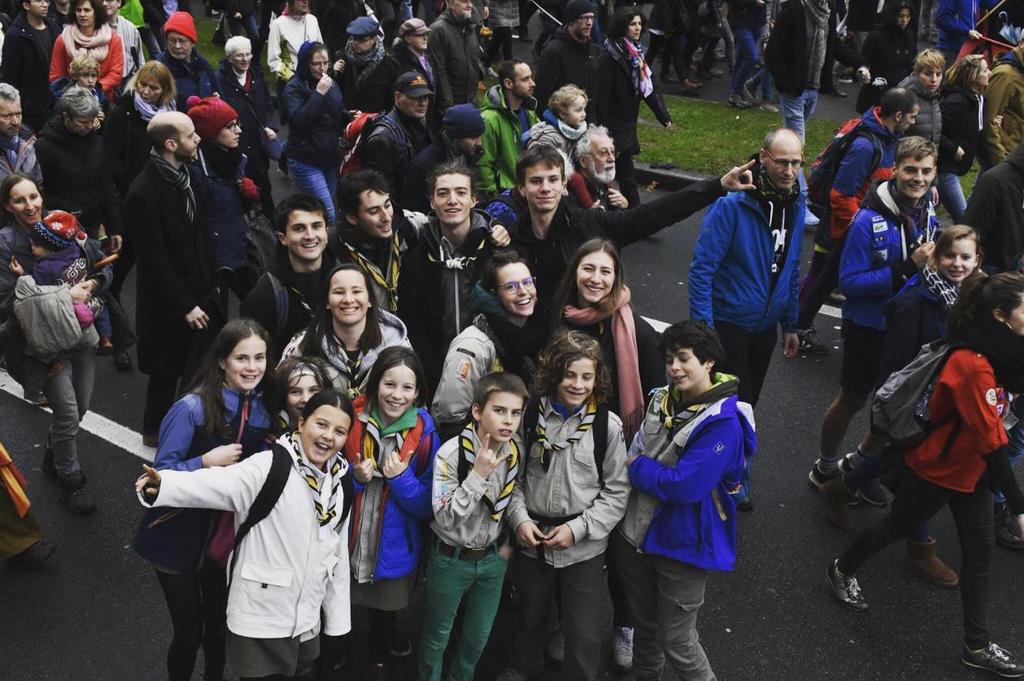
793, 163
514, 286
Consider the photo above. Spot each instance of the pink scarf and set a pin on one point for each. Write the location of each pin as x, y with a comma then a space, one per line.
77, 43
627, 361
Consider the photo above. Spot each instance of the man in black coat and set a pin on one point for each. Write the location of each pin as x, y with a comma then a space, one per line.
568, 55
178, 310
995, 211
285, 296
28, 46
397, 136
550, 230
460, 140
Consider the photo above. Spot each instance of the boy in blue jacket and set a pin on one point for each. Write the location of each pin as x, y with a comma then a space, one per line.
680, 522
890, 239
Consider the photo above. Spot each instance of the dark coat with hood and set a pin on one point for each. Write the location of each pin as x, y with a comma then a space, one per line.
572, 226
434, 288
377, 91
255, 110
125, 143
77, 177
194, 77
25, 67
315, 121
994, 211
787, 53
303, 293
959, 129
226, 208
617, 103
564, 61
176, 271
889, 54
454, 50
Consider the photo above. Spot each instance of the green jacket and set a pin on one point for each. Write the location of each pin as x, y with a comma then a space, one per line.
501, 141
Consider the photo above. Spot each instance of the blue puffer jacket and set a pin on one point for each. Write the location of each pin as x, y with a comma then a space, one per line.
315, 121
730, 277
406, 508
193, 78
876, 256
695, 521
226, 209
954, 18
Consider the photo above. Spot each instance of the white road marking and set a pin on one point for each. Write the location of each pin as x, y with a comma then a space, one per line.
130, 441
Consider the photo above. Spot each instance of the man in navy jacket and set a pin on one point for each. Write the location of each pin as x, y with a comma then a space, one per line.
744, 278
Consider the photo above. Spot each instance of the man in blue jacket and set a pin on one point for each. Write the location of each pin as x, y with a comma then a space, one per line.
890, 238
744, 278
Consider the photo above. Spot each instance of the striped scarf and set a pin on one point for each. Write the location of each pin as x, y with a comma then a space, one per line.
325, 501
177, 178
350, 367
549, 448
387, 280
468, 450
370, 447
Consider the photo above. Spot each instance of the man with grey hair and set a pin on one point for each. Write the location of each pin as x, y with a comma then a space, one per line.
177, 309
76, 171
595, 161
16, 140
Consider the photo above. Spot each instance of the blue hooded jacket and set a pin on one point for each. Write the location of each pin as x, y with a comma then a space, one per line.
875, 263
406, 511
730, 277
315, 121
695, 520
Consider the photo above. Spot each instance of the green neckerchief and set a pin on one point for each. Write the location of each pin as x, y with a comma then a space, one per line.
404, 422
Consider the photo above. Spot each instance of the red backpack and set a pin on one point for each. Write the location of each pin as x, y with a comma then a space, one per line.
350, 142
826, 165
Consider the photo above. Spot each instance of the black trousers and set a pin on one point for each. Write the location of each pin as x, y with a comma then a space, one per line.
815, 291
917, 500
625, 175
747, 356
198, 607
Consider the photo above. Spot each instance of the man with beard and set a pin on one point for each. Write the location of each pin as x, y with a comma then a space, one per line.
454, 50
462, 129
509, 110
567, 57
177, 309
595, 162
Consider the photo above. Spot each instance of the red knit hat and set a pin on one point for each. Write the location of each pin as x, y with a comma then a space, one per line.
210, 115
182, 24
57, 231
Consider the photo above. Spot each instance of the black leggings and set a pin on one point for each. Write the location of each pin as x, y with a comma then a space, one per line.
917, 500
197, 604
382, 633
500, 38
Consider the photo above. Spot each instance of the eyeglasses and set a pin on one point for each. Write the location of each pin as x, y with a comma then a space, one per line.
514, 286
179, 42
793, 163
319, 63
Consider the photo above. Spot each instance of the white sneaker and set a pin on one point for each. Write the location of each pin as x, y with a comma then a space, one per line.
622, 648
556, 645
810, 219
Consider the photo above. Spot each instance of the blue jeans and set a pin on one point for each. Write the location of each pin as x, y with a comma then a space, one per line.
316, 180
796, 110
747, 58
103, 325
1015, 448
248, 26
951, 195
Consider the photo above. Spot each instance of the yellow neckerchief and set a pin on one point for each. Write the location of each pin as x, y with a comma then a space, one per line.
468, 450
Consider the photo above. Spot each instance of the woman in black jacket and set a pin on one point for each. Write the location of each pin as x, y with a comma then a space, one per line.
961, 100
626, 80
888, 53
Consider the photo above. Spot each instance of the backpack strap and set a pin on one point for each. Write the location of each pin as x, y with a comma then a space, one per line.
280, 294
266, 499
600, 440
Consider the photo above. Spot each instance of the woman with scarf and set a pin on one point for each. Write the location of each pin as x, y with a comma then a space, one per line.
625, 82
914, 317
680, 523
88, 32
219, 422
961, 460
348, 331
288, 580
313, 105
368, 76
391, 449
593, 297
220, 166
507, 334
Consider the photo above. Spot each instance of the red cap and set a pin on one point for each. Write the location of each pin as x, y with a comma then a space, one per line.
182, 24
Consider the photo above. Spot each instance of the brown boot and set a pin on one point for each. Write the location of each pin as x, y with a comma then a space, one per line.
837, 499
922, 561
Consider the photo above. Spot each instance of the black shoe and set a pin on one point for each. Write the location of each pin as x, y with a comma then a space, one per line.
809, 346
846, 589
1006, 534
818, 477
75, 496
47, 466
401, 646
33, 557
992, 659
872, 492
122, 360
